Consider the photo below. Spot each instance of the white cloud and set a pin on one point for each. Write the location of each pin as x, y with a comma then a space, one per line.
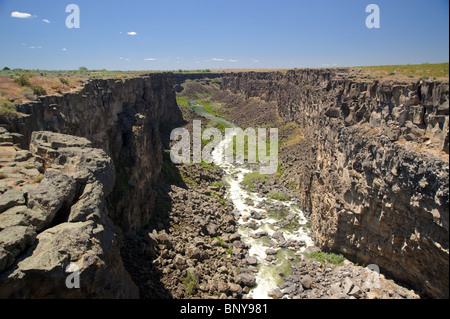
150, 59
21, 15
64, 49
231, 60
46, 20
254, 60
216, 59
131, 33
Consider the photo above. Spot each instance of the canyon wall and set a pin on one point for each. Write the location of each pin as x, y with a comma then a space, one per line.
58, 226
122, 117
66, 198
371, 166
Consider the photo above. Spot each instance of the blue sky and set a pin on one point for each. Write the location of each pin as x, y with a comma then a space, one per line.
198, 34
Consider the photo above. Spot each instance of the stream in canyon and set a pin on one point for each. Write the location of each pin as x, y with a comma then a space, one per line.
276, 231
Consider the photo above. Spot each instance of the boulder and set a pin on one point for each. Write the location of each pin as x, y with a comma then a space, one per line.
16, 238
307, 281
212, 229
11, 198
246, 279
275, 294
252, 261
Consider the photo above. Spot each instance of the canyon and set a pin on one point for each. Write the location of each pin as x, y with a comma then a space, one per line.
367, 160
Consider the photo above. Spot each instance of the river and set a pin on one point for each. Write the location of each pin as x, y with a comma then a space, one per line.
279, 249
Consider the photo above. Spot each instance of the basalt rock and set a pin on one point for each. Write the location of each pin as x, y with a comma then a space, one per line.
122, 117
370, 164
64, 225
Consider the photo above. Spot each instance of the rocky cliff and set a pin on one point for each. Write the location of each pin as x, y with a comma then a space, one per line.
371, 165
122, 117
66, 198
56, 223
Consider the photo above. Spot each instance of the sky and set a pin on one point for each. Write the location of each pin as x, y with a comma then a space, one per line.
212, 34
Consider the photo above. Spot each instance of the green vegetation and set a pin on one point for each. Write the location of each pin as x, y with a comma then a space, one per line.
329, 258
221, 127
292, 185
219, 239
38, 90
39, 178
22, 80
211, 108
189, 283
206, 165
80, 73
188, 179
279, 196
217, 184
251, 178
182, 101
6, 106
192, 71
439, 70
64, 81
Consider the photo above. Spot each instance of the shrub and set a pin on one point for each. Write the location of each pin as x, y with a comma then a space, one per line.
279, 196
64, 81
22, 81
38, 179
29, 74
38, 90
28, 93
189, 283
327, 258
6, 106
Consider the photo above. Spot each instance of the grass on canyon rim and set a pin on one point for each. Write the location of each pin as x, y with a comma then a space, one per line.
425, 70
6, 106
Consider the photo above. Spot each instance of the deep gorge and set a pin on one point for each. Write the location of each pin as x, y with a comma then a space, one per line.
371, 168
